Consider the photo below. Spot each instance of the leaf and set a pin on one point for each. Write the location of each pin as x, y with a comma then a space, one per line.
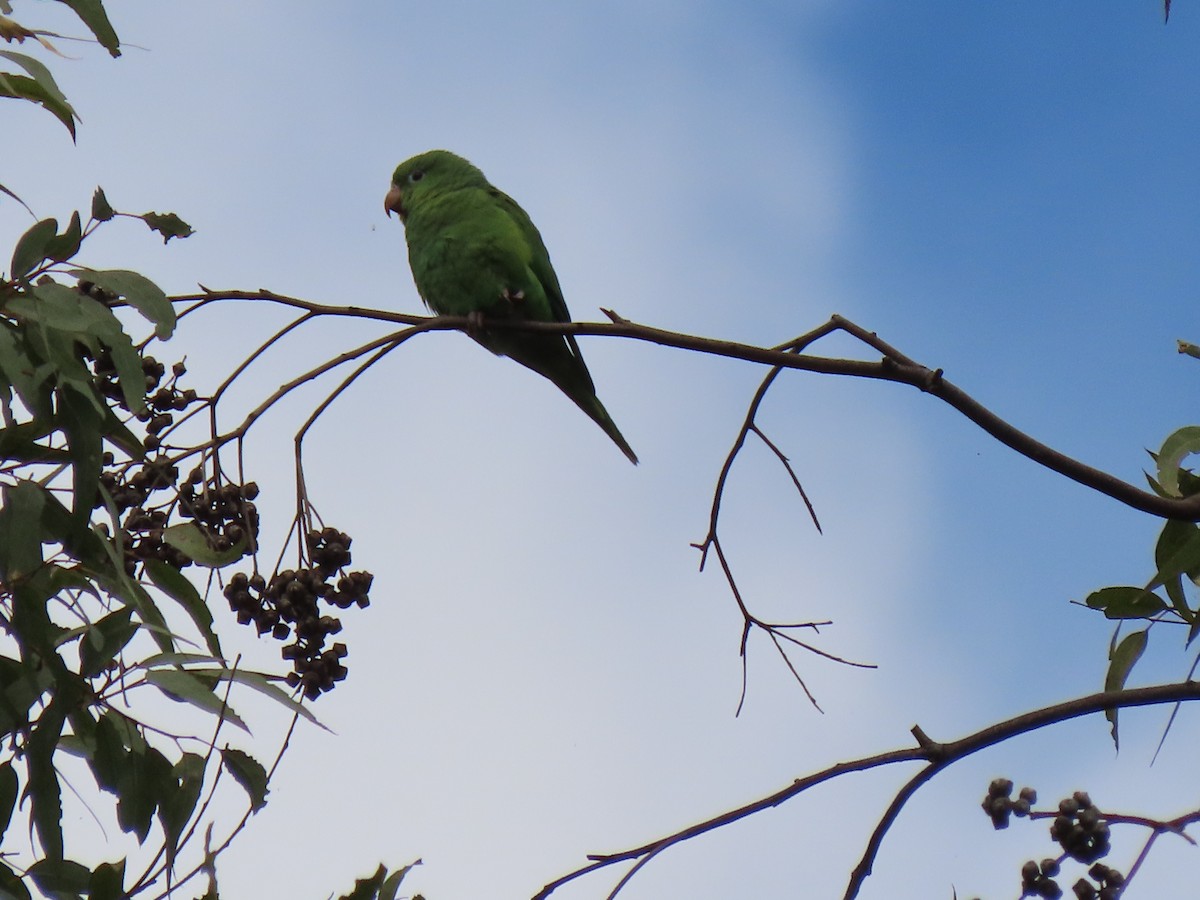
20, 534
101, 211
44, 91
179, 803
60, 878
4, 190
102, 641
1178, 445
1176, 554
11, 887
1122, 659
176, 585
139, 292
107, 882
1126, 602
168, 225
186, 687
8, 795
20, 442
143, 781
43, 788
22, 87
31, 248
367, 888
108, 758
66, 245
23, 372
95, 18
81, 423
188, 538
249, 773
387, 891
265, 685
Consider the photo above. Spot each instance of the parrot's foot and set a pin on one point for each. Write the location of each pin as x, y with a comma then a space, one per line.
475, 326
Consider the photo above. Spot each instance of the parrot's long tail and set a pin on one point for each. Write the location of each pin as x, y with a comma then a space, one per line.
595, 409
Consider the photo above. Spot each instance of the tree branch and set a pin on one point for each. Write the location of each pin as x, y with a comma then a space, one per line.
894, 367
937, 756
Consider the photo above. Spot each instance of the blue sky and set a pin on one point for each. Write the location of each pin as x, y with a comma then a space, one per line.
1006, 191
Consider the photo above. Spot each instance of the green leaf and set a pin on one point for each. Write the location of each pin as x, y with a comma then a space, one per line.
107, 882
95, 18
139, 292
60, 878
101, 211
249, 773
31, 248
104, 640
387, 891
38, 71
1122, 658
176, 585
1178, 445
20, 531
11, 887
66, 245
8, 795
20, 442
188, 538
22, 87
4, 190
40, 87
43, 788
367, 888
179, 803
168, 225
1126, 602
81, 422
144, 780
108, 757
189, 687
264, 684
31, 379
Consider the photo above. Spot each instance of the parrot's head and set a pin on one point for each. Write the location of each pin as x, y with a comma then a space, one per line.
429, 174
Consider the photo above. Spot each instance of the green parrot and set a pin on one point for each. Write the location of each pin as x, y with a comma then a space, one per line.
474, 252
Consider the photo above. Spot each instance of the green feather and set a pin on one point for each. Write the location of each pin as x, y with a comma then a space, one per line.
474, 252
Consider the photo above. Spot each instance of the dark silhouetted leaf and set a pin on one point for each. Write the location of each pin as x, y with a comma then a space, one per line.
8, 795
31, 248
66, 245
196, 689
95, 18
107, 882
139, 292
173, 582
249, 773
191, 540
101, 211
102, 641
168, 225
1126, 602
1122, 658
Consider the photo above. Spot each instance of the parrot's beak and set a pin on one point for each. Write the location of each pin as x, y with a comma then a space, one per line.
394, 202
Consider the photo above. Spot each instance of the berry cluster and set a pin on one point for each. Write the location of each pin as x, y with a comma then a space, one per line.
998, 803
225, 513
289, 606
1037, 880
1110, 880
1080, 828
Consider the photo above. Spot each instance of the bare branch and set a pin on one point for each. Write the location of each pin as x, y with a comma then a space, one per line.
935, 755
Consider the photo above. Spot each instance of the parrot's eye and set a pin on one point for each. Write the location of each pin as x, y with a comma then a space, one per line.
416, 176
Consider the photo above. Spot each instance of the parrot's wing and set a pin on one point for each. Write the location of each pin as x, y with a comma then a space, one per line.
541, 256
544, 271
